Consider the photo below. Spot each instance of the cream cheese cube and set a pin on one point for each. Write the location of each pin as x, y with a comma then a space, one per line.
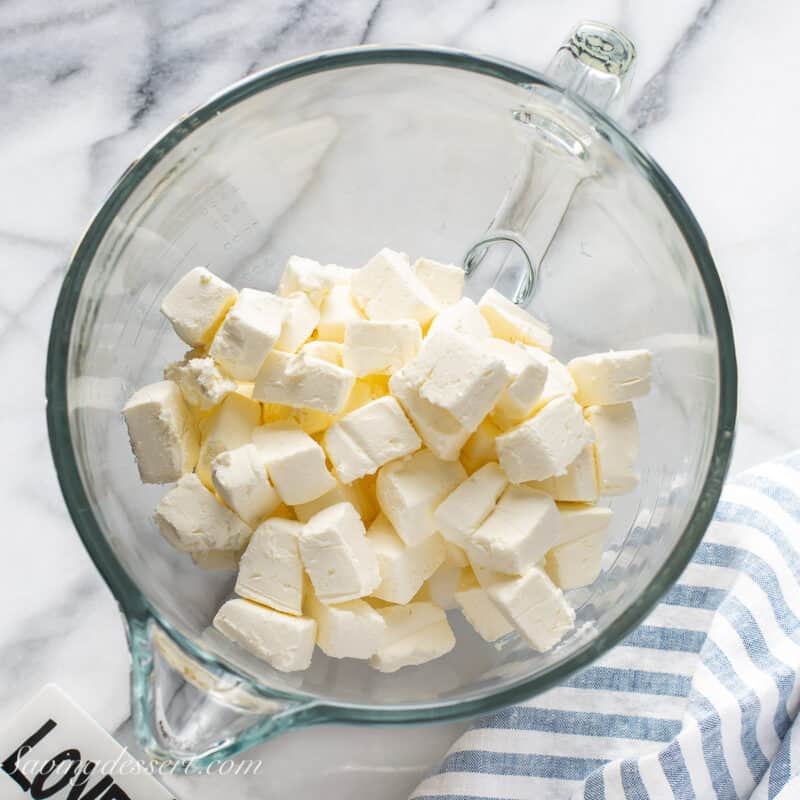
229, 427
240, 479
528, 378
576, 563
415, 633
295, 462
355, 493
337, 555
162, 432
200, 381
301, 319
462, 317
284, 641
326, 351
439, 429
307, 276
616, 446
307, 419
479, 610
347, 630
508, 321
457, 375
302, 381
578, 484
469, 504
337, 312
270, 570
386, 288
440, 588
582, 519
404, 568
248, 333
546, 444
197, 304
448, 390
605, 379
366, 439
380, 347
409, 491
523, 526
191, 519
559, 381
480, 448
444, 281
535, 605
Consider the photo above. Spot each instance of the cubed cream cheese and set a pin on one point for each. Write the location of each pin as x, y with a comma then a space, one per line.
301, 319
463, 317
609, 378
386, 288
162, 431
535, 605
510, 322
191, 518
337, 312
380, 347
270, 570
582, 519
366, 439
616, 446
480, 448
440, 588
197, 304
248, 333
295, 462
578, 484
444, 281
528, 377
327, 351
439, 429
200, 381
523, 526
284, 641
415, 633
469, 504
240, 479
347, 630
337, 556
559, 382
302, 381
404, 568
355, 493
229, 426
546, 444
479, 610
307, 276
409, 490
576, 563
448, 390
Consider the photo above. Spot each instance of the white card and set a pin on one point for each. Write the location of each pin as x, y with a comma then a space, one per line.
53, 749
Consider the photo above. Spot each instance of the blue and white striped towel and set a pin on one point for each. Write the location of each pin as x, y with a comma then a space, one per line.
699, 702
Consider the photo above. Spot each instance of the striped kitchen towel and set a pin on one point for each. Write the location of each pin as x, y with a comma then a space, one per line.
699, 702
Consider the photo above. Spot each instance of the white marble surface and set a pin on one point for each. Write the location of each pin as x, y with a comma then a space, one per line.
89, 83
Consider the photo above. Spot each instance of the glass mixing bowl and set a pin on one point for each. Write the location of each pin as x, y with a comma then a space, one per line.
333, 157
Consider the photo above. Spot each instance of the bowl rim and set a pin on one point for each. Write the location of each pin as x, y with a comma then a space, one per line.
137, 608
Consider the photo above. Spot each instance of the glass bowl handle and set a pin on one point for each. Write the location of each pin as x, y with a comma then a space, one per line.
596, 62
190, 714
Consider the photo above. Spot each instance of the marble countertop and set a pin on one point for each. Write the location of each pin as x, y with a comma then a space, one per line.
90, 83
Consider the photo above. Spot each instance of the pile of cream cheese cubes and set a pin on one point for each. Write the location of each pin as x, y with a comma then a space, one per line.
371, 449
